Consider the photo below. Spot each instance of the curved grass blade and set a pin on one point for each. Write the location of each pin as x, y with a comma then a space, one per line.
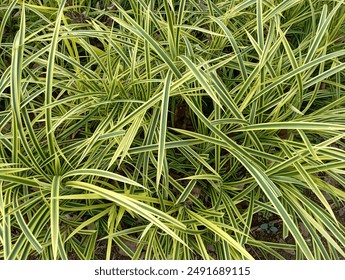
24, 227
163, 127
234, 45
220, 233
101, 173
49, 82
138, 30
55, 215
137, 207
292, 125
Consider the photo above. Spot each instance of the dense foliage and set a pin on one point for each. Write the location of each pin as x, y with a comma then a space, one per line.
165, 129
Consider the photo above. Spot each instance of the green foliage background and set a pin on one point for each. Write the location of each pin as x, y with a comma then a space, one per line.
170, 129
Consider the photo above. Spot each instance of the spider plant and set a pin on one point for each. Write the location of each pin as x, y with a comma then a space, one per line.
169, 129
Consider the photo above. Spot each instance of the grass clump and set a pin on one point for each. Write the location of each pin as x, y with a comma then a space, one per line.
172, 129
